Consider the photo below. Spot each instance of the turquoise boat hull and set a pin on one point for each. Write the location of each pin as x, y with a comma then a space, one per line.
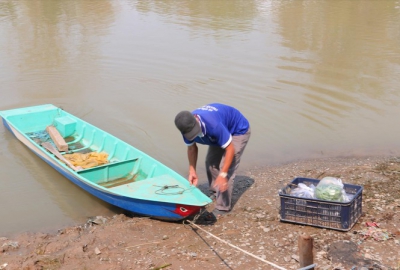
131, 180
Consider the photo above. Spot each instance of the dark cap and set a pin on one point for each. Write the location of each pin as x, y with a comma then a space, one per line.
187, 125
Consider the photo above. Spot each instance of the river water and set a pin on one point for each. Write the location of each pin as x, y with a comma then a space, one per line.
315, 78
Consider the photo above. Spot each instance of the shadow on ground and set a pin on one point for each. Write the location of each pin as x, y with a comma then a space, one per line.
242, 183
348, 254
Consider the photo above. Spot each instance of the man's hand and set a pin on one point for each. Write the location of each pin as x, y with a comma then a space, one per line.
193, 180
221, 183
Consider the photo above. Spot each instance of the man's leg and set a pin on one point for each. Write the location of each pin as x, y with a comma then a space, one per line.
224, 199
213, 160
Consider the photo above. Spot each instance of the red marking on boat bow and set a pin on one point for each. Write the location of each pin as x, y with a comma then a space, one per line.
186, 210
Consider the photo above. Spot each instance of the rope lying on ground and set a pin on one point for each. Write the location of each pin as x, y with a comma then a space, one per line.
229, 244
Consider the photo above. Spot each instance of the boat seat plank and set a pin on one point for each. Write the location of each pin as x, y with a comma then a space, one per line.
118, 182
109, 164
107, 173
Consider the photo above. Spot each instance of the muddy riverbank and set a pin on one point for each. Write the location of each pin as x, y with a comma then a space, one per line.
131, 242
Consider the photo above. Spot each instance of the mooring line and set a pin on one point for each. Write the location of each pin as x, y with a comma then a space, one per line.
244, 251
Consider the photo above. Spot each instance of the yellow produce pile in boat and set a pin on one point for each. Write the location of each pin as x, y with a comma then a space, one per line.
88, 160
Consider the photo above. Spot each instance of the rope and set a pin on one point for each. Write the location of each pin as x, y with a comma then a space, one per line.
201, 212
244, 251
162, 190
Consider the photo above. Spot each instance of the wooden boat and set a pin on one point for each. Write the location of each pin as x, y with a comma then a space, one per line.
131, 179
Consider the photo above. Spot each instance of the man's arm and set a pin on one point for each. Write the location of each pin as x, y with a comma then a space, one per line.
192, 153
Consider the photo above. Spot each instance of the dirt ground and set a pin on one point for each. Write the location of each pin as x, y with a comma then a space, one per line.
253, 226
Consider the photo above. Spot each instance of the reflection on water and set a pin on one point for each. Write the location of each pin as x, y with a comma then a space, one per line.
315, 79
50, 41
350, 51
210, 15
50, 34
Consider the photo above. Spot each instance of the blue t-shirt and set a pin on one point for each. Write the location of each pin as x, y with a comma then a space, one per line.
219, 123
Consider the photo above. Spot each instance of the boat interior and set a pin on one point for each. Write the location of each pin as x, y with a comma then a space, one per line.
125, 164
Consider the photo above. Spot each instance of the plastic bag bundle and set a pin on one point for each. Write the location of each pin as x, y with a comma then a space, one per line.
303, 190
331, 189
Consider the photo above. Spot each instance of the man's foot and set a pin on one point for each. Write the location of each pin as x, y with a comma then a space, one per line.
219, 213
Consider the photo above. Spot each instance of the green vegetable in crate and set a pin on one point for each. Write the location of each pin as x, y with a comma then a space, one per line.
330, 189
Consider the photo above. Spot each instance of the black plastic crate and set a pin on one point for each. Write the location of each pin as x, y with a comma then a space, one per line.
320, 213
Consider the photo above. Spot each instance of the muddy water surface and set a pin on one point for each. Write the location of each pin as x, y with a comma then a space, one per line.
315, 79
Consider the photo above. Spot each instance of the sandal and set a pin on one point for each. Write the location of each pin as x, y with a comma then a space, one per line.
219, 213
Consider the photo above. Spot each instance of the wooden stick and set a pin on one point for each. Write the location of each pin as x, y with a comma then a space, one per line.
162, 266
306, 256
156, 242
49, 147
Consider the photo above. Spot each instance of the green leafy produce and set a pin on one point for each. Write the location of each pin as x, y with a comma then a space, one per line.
329, 192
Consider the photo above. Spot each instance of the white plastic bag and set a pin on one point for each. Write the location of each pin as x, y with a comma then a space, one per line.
303, 190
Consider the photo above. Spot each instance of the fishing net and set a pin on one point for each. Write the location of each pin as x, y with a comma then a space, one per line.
40, 136
88, 160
